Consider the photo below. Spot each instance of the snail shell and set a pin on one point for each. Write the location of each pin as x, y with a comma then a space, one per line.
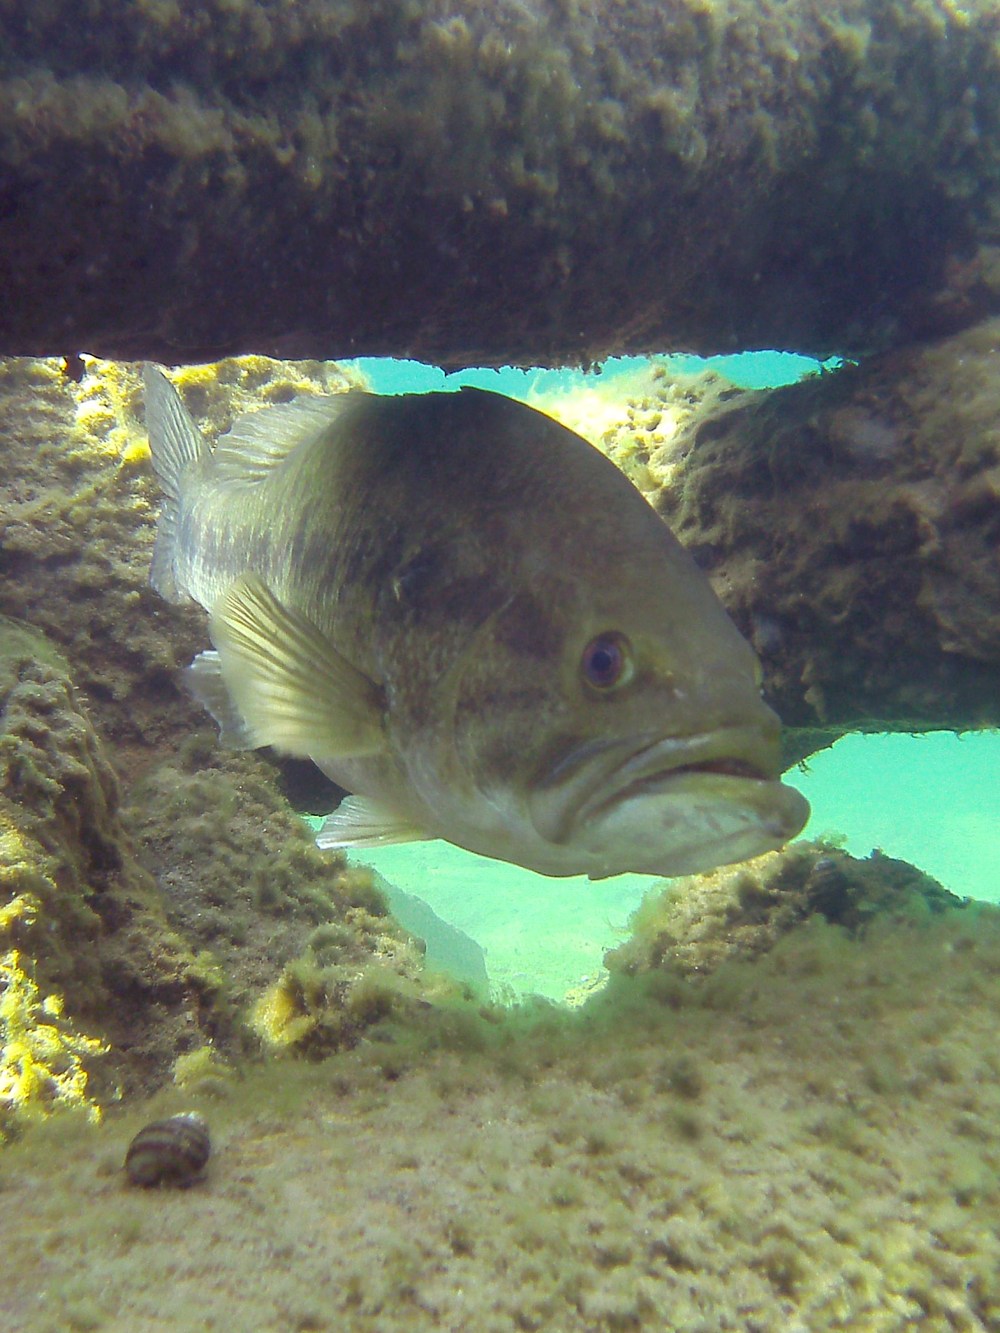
828, 888
169, 1152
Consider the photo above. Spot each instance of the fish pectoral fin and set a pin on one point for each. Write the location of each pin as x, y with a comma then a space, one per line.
361, 822
203, 679
288, 683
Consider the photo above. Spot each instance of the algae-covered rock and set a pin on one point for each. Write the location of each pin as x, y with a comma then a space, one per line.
202, 914
850, 524
806, 1141
299, 935
740, 912
88, 956
78, 507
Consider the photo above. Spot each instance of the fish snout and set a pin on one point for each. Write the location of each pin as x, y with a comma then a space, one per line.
669, 805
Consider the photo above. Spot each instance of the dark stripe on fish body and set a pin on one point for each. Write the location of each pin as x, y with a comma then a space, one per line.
529, 629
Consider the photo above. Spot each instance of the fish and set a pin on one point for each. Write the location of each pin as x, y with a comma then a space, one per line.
468, 618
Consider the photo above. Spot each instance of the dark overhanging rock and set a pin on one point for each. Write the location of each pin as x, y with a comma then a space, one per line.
547, 182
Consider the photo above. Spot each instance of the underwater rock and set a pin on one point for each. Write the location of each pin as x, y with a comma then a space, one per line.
81, 927
243, 881
75, 540
511, 182
173, 1152
850, 524
740, 912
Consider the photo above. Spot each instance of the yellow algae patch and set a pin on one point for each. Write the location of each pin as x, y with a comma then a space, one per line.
41, 1069
41, 1052
134, 453
105, 415
278, 1017
22, 908
638, 418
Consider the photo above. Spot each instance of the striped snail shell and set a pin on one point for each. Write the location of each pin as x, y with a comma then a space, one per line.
169, 1152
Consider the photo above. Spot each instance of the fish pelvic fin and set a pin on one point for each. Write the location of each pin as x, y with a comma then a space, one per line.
176, 444
203, 679
361, 822
289, 686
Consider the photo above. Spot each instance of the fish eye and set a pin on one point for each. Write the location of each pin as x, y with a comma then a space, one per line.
607, 661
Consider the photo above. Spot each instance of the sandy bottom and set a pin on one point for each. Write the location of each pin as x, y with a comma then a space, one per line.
540, 936
808, 1143
932, 800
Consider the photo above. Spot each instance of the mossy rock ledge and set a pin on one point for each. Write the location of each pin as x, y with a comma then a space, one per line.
468, 183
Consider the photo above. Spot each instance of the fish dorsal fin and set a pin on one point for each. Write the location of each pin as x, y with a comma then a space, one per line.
361, 822
259, 441
176, 444
290, 686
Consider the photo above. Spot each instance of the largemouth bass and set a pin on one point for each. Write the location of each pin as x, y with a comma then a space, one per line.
467, 617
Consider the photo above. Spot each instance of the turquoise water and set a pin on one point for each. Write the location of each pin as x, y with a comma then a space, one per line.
539, 936
755, 370
933, 800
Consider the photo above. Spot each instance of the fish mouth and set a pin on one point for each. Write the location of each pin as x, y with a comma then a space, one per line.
734, 763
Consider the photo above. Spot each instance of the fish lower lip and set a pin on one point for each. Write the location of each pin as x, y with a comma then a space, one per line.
733, 768
595, 776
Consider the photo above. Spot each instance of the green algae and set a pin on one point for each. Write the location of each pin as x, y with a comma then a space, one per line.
692, 925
